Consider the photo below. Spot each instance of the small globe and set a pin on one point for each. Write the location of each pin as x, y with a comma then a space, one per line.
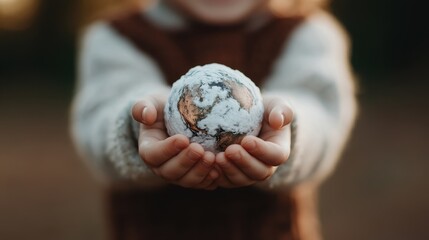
215, 106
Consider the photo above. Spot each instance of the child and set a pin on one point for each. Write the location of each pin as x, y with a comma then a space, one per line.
300, 62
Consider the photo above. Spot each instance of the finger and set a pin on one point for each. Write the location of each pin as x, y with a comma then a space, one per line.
199, 172
209, 181
231, 172
144, 112
155, 152
278, 113
270, 153
212, 186
224, 182
249, 165
148, 111
152, 133
180, 164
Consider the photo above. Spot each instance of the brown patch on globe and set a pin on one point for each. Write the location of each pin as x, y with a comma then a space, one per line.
241, 93
224, 139
189, 112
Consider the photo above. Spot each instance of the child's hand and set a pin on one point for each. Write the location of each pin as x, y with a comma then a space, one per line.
256, 159
172, 158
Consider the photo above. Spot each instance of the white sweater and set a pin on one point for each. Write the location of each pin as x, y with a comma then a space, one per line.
313, 72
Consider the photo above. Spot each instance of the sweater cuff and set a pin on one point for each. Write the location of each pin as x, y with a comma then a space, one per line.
122, 150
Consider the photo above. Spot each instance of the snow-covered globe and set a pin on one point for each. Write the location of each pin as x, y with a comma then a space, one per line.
215, 106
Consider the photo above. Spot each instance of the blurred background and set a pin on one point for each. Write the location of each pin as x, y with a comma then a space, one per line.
379, 191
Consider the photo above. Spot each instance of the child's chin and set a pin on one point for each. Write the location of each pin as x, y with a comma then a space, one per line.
223, 3
222, 16
222, 21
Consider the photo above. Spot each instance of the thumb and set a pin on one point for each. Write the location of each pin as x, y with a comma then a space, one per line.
278, 113
147, 111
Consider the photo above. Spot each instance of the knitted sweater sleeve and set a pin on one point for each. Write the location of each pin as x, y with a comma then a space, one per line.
313, 73
112, 77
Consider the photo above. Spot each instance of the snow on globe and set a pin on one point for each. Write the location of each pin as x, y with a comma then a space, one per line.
215, 106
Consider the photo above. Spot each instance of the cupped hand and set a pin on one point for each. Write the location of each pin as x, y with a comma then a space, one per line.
256, 159
172, 158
